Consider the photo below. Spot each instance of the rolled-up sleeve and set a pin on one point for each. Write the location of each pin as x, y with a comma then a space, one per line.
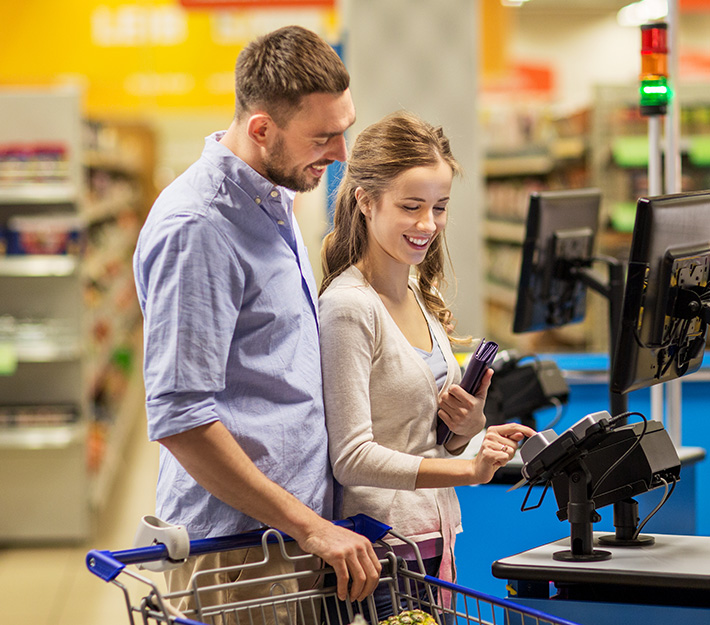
189, 286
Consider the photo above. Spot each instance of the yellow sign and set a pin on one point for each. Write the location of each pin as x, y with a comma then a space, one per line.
141, 55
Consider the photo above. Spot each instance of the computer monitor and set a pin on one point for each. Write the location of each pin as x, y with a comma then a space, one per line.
666, 306
560, 234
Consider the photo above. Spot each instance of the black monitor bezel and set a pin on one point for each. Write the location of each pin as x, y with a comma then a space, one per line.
667, 228
551, 246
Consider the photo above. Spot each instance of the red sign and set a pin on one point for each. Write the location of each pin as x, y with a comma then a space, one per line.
258, 4
522, 78
694, 6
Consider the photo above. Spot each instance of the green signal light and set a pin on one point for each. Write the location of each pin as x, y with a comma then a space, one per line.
655, 91
655, 95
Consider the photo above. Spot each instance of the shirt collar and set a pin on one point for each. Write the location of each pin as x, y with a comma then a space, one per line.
264, 192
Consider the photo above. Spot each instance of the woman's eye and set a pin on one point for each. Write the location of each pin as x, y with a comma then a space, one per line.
440, 209
410, 208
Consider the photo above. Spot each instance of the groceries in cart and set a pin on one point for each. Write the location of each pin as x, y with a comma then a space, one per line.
297, 598
409, 617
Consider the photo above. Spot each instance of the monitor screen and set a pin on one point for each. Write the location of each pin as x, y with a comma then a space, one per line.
560, 234
666, 301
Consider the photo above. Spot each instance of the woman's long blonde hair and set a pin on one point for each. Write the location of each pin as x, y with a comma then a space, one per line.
382, 152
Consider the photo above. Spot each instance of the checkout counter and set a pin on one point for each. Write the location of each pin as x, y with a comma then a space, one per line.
646, 585
659, 584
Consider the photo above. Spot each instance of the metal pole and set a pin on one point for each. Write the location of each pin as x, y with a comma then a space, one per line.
655, 187
655, 170
673, 185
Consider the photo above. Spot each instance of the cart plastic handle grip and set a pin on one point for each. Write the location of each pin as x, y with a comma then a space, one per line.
108, 564
365, 526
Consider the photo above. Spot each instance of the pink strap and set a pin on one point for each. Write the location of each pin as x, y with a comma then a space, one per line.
447, 572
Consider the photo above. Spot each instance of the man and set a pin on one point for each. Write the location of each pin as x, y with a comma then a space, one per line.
232, 365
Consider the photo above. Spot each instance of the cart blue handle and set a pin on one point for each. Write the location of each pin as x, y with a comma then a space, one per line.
108, 564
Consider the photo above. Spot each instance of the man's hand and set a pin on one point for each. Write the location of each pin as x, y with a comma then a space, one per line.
212, 456
352, 557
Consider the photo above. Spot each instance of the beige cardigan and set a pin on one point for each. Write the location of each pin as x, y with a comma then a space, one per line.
381, 402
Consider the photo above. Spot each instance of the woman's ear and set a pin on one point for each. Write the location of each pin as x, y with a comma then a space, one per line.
363, 202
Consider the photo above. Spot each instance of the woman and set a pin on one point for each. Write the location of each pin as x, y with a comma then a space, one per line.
388, 365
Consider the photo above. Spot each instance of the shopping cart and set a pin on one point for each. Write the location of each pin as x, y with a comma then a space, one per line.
308, 605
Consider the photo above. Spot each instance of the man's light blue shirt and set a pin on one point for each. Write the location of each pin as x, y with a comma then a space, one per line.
231, 334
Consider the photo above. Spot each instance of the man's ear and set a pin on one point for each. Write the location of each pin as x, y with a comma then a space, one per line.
363, 201
258, 128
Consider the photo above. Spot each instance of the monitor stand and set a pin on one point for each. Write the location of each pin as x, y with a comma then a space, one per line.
625, 511
613, 291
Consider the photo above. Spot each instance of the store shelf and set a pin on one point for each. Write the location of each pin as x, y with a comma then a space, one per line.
518, 165
38, 437
39, 193
47, 351
38, 266
530, 151
68, 319
126, 417
110, 160
620, 147
501, 294
110, 208
504, 231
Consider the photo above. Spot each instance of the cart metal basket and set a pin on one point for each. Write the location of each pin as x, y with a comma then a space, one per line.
309, 605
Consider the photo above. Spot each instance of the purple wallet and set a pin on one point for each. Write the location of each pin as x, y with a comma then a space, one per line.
481, 360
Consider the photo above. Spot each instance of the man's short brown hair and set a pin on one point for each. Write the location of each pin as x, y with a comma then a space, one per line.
275, 71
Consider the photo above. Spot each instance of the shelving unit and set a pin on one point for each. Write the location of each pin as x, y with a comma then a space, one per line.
44, 494
619, 153
531, 152
119, 163
70, 375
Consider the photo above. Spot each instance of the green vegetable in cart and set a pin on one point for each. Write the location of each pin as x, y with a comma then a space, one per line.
410, 617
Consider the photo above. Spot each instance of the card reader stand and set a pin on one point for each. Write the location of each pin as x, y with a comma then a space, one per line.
582, 514
594, 463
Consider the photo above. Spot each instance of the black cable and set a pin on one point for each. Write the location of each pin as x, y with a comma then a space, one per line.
561, 410
680, 339
666, 496
623, 456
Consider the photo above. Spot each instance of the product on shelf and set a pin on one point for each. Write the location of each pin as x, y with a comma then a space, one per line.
70, 211
44, 234
39, 415
27, 163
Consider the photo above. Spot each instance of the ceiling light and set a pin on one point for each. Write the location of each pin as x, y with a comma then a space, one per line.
641, 12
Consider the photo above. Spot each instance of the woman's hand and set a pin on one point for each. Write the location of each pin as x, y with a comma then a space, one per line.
462, 412
498, 447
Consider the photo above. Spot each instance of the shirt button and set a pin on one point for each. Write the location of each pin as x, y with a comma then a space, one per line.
281, 222
274, 193
258, 200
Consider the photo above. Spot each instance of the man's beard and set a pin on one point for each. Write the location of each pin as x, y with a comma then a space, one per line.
276, 169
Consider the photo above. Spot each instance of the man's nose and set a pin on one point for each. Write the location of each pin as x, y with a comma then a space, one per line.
338, 149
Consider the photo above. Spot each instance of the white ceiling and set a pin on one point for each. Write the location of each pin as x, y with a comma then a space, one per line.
576, 5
